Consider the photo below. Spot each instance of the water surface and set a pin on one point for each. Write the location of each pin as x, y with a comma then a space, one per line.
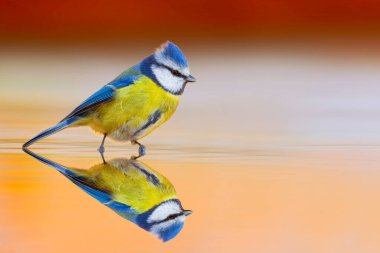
272, 152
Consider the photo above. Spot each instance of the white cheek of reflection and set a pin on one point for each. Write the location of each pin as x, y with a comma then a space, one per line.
167, 80
163, 211
157, 228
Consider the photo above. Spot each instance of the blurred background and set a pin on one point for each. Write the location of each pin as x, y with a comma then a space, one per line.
275, 148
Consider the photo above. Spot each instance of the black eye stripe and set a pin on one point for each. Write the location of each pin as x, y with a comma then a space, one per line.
176, 73
173, 71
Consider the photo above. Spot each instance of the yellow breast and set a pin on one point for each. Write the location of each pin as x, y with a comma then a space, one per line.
123, 118
128, 184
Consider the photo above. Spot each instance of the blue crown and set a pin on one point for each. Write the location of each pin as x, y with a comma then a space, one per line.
171, 51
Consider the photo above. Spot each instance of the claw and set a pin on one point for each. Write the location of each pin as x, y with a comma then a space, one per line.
101, 149
142, 150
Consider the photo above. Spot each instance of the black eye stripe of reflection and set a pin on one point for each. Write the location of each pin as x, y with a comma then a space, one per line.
173, 71
170, 217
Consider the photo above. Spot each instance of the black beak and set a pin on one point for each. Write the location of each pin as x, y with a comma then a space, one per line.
190, 79
187, 212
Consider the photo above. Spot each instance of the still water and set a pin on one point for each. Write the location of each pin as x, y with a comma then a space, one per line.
271, 152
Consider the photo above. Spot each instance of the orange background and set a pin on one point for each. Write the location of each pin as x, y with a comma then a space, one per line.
276, 147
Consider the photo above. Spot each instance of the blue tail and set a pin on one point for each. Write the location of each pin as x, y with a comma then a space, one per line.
60, 126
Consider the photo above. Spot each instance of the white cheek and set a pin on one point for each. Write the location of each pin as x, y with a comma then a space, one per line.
167, 80
165, 61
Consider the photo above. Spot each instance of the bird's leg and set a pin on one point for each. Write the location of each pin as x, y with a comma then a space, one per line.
142, 149
101, 147
104, 160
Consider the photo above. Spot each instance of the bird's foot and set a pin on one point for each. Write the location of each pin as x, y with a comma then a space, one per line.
142, 150
101, 149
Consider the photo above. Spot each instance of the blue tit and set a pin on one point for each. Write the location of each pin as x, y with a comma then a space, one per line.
135, 103
133, 190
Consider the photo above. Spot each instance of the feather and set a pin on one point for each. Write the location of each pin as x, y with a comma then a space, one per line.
60, 126
86, 185
104, 95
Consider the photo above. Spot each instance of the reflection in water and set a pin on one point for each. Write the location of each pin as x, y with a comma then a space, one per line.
132, 190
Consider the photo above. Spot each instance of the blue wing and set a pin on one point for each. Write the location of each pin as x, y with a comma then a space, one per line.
104, 95
102, 196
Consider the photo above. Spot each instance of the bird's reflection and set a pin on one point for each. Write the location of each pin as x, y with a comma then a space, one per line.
133, 190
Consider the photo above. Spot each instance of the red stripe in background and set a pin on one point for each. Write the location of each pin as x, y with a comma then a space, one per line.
78, 18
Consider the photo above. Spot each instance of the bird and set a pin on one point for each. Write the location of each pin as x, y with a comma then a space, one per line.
135, 103
131, 189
